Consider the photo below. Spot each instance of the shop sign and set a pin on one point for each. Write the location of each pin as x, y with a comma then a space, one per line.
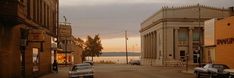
225, 41
37, 35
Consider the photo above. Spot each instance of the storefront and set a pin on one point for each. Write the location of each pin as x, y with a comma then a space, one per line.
63, 58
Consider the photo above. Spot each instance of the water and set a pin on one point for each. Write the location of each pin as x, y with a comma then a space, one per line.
115, 59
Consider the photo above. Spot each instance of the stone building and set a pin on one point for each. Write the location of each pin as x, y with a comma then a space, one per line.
176, 34
70, 52
27, 28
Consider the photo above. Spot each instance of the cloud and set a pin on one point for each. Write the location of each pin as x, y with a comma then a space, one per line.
110, 18
105, 2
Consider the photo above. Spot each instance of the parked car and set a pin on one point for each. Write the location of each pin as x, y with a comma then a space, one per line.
135, 62
90, 62
83, 70
231, 71
212, 71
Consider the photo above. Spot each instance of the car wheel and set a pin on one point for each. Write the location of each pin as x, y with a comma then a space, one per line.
211, 75
197, 75
91, 76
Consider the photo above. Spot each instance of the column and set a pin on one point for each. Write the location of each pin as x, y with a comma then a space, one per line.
190, 44
147, 52
155, 42
146, 45
143, 47
152, 47
153, 54
176, 53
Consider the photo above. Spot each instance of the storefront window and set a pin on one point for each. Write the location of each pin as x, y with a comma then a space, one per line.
61, 58
35, 59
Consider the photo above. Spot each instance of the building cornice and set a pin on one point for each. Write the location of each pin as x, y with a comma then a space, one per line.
172, 20
183, 7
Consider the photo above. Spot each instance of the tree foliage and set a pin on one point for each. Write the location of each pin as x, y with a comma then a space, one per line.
93, 47
80, 42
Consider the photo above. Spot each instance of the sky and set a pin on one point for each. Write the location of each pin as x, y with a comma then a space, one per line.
110, 18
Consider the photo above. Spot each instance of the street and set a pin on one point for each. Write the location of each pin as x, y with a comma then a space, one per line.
128, 71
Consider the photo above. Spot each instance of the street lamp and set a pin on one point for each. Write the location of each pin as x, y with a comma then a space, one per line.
65, 22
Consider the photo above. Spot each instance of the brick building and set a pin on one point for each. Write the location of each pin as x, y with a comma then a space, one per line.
70, 52
27, 28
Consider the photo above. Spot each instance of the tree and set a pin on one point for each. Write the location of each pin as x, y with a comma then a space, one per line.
93, 46
81, 44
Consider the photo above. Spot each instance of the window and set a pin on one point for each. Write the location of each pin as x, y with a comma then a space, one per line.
196, 35
183, 34
182, 55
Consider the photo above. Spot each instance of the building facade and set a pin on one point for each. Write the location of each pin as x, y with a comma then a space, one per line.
26, 30
70, 52
209, 40
176, 34
224, 38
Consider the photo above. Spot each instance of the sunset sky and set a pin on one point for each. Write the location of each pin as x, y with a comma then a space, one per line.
110, 18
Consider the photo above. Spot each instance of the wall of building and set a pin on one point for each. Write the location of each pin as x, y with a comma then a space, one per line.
26, 14
10, 53
77, 55
225, 41
44, 57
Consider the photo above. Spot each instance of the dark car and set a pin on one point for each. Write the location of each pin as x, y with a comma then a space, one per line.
231, 71
135, 62
212, 71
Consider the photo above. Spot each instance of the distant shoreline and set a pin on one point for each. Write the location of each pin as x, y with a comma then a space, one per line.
111, 54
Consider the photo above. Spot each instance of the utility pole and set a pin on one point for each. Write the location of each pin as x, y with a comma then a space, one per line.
126, 44
65, 21
200, 32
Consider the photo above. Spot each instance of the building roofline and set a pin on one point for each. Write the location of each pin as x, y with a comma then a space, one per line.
184, 7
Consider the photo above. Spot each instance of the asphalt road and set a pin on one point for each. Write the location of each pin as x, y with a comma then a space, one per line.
127, 71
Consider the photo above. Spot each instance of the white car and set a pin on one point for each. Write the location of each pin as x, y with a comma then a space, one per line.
90, 62
84, 70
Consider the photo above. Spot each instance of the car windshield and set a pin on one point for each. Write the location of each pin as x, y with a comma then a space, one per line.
207, 66
220, 66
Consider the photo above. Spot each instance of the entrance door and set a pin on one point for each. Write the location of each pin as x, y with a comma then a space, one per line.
195, 57
182, 55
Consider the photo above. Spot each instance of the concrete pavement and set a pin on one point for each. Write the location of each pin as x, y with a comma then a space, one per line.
62, 73
128, 71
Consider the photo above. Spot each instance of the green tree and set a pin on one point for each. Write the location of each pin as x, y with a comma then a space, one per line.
93, 46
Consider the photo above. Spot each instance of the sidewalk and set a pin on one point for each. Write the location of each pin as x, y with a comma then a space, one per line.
62, 73
190, 71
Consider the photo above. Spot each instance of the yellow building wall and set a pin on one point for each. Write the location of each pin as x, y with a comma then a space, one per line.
225, 52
